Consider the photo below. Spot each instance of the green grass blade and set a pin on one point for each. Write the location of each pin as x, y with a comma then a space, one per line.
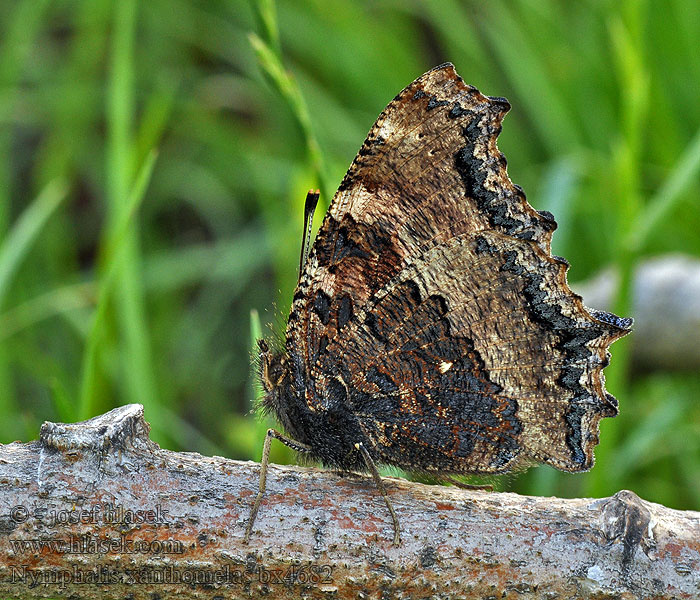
115, 254
261, 424
288, 89
255, 335
163, 273
530, 75
18, 35
266, 20
16, 44
14, 249
131, 376
630, 61
25, 232
669, 195
136, 196
54, 302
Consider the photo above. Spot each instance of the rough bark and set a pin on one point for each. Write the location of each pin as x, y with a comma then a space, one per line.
318, 535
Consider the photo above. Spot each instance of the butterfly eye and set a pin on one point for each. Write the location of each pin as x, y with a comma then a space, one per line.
276, 372
271, 369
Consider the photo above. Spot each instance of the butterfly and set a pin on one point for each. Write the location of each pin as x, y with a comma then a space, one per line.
432, 328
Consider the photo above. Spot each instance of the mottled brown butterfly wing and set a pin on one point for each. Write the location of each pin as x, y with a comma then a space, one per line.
432, 309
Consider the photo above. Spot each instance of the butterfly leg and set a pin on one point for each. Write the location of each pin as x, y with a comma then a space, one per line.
294, 445
380, 484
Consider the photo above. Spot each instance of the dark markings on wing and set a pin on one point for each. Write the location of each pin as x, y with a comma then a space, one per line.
344, 311
432, 296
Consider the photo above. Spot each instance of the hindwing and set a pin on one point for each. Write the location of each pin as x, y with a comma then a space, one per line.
431, 299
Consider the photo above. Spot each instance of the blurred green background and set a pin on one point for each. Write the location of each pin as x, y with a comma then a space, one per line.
155, 158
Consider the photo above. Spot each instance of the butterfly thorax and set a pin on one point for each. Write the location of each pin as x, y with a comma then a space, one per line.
332, 431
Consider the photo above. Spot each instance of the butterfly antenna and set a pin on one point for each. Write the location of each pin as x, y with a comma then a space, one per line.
309, 208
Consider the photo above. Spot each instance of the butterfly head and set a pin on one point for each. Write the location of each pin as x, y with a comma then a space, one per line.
271, 368
279, 397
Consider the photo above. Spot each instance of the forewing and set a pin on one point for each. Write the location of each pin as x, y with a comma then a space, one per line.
432, 295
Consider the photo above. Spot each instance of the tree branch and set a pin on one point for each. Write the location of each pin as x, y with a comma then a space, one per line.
95, 509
